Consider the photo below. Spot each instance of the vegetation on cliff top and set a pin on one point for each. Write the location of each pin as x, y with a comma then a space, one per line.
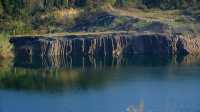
44, 16
19, 17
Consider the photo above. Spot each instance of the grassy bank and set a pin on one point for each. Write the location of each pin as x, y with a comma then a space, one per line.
105, 18
5, 46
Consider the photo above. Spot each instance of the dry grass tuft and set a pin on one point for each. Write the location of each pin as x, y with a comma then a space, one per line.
5, 46
62, 15
150, 15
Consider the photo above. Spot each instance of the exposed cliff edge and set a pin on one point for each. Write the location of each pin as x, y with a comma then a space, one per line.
111, 44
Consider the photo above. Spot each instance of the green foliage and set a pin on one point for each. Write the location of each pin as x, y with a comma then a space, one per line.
14, 7
111, 2
141, 24
1, 9
21, 16
119, 21
125, 3
5, 46
171, 4
16, 27
20, 28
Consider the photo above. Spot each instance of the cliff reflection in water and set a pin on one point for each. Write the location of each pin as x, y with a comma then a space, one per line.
91, 62
101, 62
58, 73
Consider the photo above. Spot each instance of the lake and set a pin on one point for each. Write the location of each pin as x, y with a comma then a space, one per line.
149, 84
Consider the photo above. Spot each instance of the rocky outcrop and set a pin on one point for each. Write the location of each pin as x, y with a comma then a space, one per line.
188, 45
83, 50
105, 45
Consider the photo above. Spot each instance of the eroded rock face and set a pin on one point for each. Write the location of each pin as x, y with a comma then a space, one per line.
105, 45
188, 45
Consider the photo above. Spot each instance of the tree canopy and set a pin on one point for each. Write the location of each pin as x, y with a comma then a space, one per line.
15, 7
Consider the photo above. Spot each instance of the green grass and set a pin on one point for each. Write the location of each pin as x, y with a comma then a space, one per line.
85, 34
15, 27
142, 24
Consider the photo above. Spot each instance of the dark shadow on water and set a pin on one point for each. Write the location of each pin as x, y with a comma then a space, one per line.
91, 62
55, 74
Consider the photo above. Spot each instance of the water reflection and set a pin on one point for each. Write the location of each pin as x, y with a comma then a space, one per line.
94, 62
81, 73
52, 80
107, 84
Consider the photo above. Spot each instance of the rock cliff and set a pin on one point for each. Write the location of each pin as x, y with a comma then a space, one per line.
113, 44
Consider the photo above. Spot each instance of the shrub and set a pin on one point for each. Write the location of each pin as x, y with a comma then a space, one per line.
5, 46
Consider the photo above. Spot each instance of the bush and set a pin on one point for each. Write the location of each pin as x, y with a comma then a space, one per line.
15, 27
5, 46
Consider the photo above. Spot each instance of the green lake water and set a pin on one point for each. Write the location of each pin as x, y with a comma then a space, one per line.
153, 84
